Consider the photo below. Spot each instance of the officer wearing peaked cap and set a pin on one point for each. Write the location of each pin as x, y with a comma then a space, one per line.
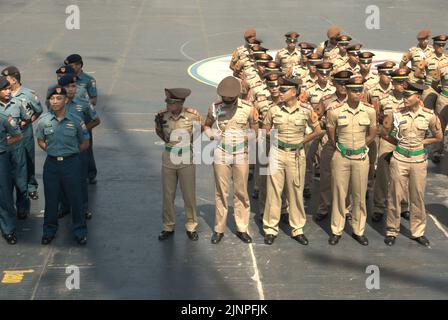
241, 55
234, 122
407, 130
352, 62
365, 64
62, 135
289, 56
9, 135
341, 58
177, 160
300, 71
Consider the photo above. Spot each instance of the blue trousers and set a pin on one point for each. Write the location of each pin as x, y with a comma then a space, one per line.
28, 142
59, 176
7, 212
20, 177
92, 171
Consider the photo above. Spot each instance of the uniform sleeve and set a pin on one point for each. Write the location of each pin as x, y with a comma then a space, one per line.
372, 117
34, 103
83, 133
268, 118
91, 112
11, 127
91, 88
331, 119
40, 130
253, 116
313, 119
210, 120
434, 125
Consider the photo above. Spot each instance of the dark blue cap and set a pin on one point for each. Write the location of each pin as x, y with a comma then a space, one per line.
67, 79
56, 90
65, 69
4, 83
73, 58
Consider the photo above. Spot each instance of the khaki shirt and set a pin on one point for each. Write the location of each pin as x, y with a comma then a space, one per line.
308, 82
355, 70
371, 80
378, 93
433, 67
184, 124
291, 123
412, 128
338, 62
329, 51
288, 60
300, 71
352, 125
240, 57
315, 93
416, 55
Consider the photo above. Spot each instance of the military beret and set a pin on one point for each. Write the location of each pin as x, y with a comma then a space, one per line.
229, 87
355, 83
65, 69
56, 90
314, 58
10, 71
365, 57
67, 79
4, 83
440, 40
400, 74
354, 49
333, 31
342, 76
413, 88
386, 67
343, 39
423, 34
324, 67
250, 32
73, 58
177, 93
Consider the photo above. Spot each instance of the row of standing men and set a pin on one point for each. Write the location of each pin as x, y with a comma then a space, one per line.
326, 104
70, 164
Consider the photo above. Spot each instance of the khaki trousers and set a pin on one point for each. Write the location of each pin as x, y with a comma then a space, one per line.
354, 174
287, 167
406, 178
187, 179
442, 112
373, 154
325, 178
226, 177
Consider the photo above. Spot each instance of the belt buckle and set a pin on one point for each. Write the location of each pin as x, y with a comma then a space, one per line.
408, 154
348, 152
60, 158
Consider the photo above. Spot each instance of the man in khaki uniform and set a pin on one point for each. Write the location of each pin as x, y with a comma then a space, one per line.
177, 160
351, 128
327, 103
290, 56
365, 64
322, 88
236, 122
341, 58
432, 68
329, 49
393, 103
408, 167
301, 70
311, 78
418, 53
241, 55
287, 161
352, 63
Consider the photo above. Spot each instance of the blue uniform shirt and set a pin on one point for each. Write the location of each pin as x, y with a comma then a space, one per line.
29, 101
8, 127
83, 110
62, 137
85, 87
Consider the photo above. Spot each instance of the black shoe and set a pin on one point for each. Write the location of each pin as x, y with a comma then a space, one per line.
306, 193
255, 194
377, 217
88, 215
10, 238
349, 216
436, 159
63, 214
406, 215
81, 240
244, 237
301, 239
423, 241
92, 180
193, 235
33, 195
320, 216
46, 240
334, 239
165, 235
22, 215
361, 239
269, 239
389, 240
216, 237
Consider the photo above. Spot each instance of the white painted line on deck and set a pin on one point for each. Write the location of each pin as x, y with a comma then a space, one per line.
439, 225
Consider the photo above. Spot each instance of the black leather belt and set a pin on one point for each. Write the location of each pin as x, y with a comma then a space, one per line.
62, 158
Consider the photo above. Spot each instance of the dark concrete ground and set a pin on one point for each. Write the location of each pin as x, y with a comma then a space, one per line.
137, 48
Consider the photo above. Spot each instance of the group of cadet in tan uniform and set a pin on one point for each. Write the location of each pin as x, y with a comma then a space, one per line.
314, 108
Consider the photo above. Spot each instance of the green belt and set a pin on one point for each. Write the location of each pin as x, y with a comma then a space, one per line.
178, 151
444, 93
350, 152
289, 146
428, 82
235, 148
409, 153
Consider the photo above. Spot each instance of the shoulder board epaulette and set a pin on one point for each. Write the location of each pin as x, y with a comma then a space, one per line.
193, 111
326, 97
428, 110
368, 105
246, 102
338, 105
306, 105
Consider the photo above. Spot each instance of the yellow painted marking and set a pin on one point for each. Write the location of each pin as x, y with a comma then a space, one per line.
14, 276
